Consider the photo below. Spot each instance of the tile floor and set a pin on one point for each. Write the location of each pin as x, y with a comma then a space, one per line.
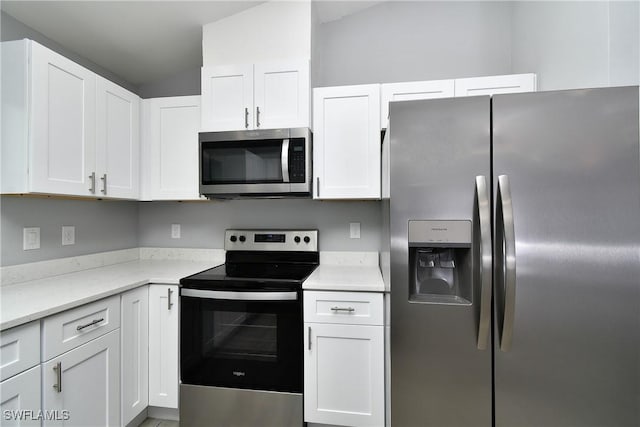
154, 422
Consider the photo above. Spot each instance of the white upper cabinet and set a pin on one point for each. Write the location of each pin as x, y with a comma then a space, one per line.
170, 148
227, 97
261, 96
346, 152
408, 91
62, 124
281, 95
495, 85
118, 140
65, 130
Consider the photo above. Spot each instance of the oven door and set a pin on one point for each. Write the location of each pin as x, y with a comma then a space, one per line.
248, 340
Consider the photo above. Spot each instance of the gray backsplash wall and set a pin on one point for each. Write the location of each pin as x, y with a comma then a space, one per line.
100, 226
203, 223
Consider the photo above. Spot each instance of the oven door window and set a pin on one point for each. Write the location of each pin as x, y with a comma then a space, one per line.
241, 344
249, 162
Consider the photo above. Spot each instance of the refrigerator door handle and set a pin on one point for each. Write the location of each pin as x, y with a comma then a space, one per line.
484, 261
505, 262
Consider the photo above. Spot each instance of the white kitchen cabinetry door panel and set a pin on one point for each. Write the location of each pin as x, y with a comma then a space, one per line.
63, 124
347, 142
135, 352
344, 375
495, 85
227, 102
171, 142
281, 91
409, 91
118, 141
163, 346
88, 384
21, 393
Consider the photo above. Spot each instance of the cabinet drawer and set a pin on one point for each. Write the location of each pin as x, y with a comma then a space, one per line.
71, 328
19, 349
356, 308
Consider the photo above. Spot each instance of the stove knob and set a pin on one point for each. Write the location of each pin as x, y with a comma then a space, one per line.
233, 238
307, 239
242, 238
296, 239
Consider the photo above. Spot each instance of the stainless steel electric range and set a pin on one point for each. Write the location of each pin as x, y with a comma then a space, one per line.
241, 342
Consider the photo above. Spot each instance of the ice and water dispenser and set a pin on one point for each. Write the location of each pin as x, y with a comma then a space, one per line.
440, 262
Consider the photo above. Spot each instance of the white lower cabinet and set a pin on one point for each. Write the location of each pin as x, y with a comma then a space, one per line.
134, 332
82, 386
163, 345
344, 360
20, 399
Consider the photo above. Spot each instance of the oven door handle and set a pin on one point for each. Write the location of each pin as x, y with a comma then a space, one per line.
240, 296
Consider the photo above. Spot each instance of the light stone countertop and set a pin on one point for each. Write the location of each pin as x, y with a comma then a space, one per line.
30, 300
344, 271
23, 302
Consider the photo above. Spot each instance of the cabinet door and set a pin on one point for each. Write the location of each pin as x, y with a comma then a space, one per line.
281, 94
135, 352
117, 141
171, 142
408, 91
163, 346
494, 85
63, 100
87, 386
227, 98
344, 374
346, 152
20, 393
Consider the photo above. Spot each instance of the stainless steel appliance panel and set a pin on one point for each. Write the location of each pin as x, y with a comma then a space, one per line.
570, 355
438, 375
238, 408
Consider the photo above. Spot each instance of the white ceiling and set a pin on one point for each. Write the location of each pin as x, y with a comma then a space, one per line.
142, 41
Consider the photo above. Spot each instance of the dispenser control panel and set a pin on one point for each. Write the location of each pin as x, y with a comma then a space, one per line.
450, 233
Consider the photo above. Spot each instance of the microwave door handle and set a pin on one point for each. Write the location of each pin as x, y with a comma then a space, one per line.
240, 296
285, 160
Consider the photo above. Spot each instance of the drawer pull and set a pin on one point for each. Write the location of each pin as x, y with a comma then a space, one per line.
93, 322
347, 309
58, 369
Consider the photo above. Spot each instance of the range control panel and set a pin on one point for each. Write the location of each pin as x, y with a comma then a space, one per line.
271, 240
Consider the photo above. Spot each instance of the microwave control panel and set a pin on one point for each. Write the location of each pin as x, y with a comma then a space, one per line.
297, 159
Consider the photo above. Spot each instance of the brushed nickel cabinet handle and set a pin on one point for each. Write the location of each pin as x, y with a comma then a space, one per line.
104, 184
309, 337
93, 322
246, 118
58, 371
169, 303
92, 177
317, 186
347, 309
257, 116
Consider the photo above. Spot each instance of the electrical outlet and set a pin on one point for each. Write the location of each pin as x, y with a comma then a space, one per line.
30, 238
354, 230
68, 235
175, 231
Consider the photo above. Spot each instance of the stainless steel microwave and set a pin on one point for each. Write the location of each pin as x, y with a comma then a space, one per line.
256, 163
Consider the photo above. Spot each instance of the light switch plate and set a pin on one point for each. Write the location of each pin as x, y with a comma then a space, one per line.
354, 230
30, 238
68, 235
175, 231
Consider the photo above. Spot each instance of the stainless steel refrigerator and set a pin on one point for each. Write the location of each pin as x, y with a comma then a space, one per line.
514, 260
